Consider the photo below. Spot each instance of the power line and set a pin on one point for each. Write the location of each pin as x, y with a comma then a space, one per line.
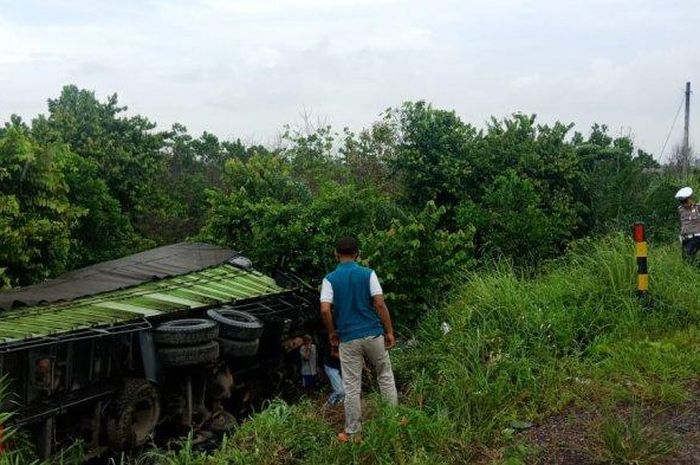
678, 112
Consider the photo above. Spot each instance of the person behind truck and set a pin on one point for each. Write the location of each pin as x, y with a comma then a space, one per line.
331, 365
309, 368
689, 213
358, 323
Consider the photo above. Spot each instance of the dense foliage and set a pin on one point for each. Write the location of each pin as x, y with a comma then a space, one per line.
429, 195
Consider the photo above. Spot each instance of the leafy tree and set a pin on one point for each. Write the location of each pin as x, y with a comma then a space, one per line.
480, 176
178, 200
367, 154
298, 235
618, 183
513, 221
518, 157
646, 161
432, 158
440, 158
209, 150
102, 232
265, 176
35, 215
659, 212
126, 149
417, 261
313, 157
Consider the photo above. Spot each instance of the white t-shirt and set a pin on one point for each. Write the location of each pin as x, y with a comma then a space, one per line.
327, 289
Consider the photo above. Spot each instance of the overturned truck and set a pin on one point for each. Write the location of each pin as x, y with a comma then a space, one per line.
147, 347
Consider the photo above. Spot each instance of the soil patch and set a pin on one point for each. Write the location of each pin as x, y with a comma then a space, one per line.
684, 424
572, 437
564, 438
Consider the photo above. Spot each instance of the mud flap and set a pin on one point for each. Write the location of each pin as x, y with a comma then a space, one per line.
44, 438
153, 370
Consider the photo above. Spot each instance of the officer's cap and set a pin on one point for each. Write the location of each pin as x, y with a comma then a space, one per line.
684, 193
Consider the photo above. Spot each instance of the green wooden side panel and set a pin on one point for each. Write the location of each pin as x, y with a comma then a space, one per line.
212, 286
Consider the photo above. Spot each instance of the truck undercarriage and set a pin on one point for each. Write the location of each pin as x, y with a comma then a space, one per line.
198, 352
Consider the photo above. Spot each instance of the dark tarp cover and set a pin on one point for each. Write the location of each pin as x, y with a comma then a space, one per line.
161, 262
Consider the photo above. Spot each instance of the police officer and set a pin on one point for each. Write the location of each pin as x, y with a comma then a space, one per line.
689, 213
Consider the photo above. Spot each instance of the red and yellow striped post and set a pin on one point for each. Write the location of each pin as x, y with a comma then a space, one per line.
641, 250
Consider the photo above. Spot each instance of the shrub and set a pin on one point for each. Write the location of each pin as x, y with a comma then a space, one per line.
419, 262
298, 235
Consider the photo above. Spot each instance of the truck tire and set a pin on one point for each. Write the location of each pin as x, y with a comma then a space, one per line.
189, 355
236, 325
133, 415
232, 348
187, 331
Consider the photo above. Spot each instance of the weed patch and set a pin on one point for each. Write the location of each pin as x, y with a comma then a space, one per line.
629, 440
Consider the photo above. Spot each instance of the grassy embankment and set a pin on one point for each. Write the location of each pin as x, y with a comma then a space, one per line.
575, 344
577, 340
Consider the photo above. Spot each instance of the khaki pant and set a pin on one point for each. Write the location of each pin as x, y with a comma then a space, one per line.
352, 356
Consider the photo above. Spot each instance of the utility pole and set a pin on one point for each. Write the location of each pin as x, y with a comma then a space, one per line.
686, 147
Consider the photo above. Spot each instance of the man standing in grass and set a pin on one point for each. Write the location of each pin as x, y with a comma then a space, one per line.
689, 213
358, 322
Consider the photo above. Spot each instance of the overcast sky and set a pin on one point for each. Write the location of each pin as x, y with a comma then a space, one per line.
244, 68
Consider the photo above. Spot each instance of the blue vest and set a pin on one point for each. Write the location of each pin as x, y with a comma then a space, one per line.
353, 310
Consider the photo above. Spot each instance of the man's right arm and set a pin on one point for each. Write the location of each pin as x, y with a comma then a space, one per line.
326, 313
380, 307
385, 317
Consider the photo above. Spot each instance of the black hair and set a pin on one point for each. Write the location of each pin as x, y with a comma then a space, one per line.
347, 246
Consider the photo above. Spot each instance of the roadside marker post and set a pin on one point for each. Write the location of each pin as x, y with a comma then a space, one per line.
641, 250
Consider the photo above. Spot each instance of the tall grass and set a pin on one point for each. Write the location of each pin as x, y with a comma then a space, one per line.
516, 341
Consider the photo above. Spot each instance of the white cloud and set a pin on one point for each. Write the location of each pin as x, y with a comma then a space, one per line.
260, 56
274, 6
245, 67
526, 82
391, 39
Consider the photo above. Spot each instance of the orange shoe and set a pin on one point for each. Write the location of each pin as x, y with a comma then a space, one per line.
344, 437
